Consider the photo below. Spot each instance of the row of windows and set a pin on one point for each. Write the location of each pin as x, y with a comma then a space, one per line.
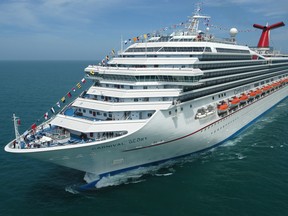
226, 65
202, 66
222, 127
230, 79
185, 49
225, 50
170, 49
229, 72
191, 96
94, 113
161, 78
158, 78
156, 86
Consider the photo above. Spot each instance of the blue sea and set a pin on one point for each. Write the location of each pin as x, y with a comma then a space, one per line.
247, 175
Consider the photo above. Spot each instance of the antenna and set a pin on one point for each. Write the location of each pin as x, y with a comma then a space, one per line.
194, 20
265, 36
16, 121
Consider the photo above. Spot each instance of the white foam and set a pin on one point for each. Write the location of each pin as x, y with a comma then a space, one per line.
134, 176
240, 156
71, 189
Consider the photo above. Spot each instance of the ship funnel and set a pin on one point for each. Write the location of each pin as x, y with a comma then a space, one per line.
264, 39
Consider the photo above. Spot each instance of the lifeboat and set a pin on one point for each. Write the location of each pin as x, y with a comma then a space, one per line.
234, 102
204, 112
222, 108
266, 88
243, 98
274, 85
284, 81
258, 92
252, 94
201, 113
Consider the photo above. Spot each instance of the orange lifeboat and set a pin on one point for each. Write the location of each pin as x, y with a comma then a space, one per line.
222, 108
234, 103
274, 85
252, 94
258, 92
266, 88
243, 98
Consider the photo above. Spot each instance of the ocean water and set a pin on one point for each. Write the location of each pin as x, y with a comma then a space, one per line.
247, 175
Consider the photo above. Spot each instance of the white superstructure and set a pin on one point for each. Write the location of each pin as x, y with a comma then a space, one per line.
161, 98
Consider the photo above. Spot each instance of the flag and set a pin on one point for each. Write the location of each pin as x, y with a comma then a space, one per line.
83, 80
125, 42
58, 104
52, 110
69, 95
19, 122
113, 52
63, 99
92, 72
46, 115
73, 89
78, 85
107, 58
135, 39
145, 36
33, 126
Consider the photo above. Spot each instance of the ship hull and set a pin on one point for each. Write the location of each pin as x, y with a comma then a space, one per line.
163, 138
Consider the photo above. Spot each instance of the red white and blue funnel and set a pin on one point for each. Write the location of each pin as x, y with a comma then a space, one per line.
265, 36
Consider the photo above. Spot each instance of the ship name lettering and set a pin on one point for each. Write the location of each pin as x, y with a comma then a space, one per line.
108, 146
138, 139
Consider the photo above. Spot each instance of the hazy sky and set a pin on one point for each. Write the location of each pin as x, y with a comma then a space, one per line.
90, 29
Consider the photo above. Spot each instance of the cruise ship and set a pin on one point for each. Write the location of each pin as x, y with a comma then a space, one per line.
161, 98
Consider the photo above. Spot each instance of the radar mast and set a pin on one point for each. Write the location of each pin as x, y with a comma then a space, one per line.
194, 20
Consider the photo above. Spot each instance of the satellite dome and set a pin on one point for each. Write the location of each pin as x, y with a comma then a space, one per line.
233, 32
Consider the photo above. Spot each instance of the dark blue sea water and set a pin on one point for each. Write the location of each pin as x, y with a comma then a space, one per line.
248, 175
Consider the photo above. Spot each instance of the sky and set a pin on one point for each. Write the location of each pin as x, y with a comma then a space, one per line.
90, 29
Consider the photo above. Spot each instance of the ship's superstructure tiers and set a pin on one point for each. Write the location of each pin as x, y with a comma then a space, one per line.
161, 97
